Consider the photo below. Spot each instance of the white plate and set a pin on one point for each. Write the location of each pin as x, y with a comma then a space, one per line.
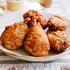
20, 53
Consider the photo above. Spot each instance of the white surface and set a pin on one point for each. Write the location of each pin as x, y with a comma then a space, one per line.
35, 66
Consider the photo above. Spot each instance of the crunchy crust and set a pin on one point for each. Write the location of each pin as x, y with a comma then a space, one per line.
57, 23
36, 42
34, 15
58, 40
13, 35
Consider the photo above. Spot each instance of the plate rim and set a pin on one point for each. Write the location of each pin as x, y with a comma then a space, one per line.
35, 59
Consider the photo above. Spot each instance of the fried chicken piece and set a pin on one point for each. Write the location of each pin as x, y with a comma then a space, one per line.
0, 40
13, 36
57, 23
34, 15
58, 40
36, 42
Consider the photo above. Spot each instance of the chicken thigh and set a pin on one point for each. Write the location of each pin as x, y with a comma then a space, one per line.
58, 40
13, 35
57, 23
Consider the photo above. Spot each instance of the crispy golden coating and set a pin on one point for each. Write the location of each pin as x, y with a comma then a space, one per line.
0, 40
57, 23
34, 15
58, 40
36, 42
13, 36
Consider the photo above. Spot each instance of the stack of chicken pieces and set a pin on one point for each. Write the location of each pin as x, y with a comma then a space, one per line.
31, 34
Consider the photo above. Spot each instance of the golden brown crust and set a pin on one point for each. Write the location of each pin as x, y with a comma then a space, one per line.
36, 42
13, 35
57, 23
34, 15
0, 40
58, 40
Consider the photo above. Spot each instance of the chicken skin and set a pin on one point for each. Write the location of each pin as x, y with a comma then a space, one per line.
32, 15
58, 40
13, 36
36, 42
57, 23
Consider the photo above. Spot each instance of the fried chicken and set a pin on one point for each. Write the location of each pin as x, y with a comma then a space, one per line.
57, 23
58, 40
32, 15
13, 35
36, 42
